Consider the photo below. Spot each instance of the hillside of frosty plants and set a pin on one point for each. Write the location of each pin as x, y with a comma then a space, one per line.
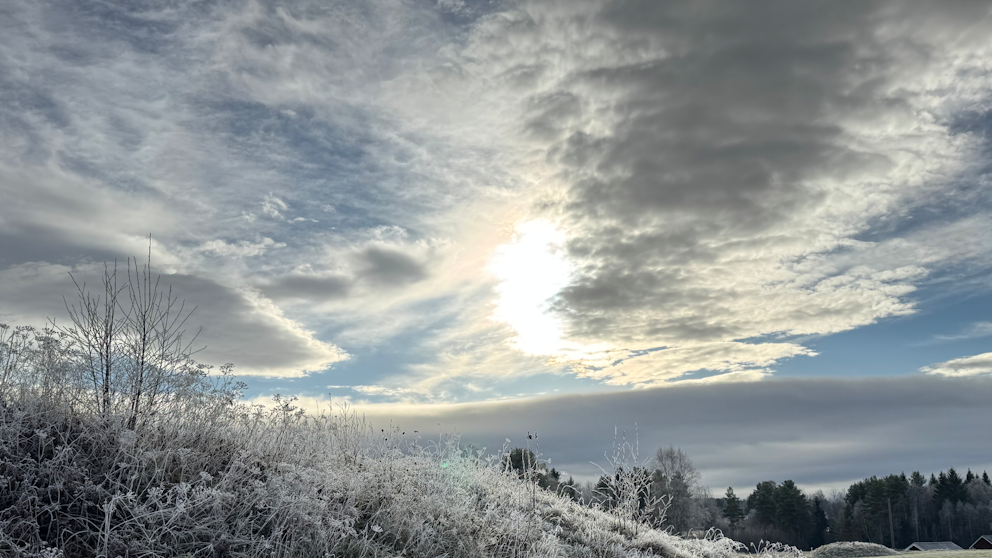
114, 441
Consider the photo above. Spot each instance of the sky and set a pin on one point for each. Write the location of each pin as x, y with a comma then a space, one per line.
758, 231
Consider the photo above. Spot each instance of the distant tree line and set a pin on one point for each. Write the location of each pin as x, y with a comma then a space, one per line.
895, 510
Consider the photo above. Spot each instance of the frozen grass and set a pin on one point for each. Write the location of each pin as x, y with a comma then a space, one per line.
228, 480
847, 549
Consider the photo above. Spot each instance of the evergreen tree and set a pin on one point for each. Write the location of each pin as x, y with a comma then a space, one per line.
918, 480
521, 461
818, 532
569, 489
915, 496
875, 508
549, 480
604, 493
895, 490
791, 510
969, 476
762, 500
956, 489
985, 478
940, 491
732, 508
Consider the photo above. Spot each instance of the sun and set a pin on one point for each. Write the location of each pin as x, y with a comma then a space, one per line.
531, 269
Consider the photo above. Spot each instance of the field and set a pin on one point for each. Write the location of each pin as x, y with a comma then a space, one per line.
953, 554
932, 554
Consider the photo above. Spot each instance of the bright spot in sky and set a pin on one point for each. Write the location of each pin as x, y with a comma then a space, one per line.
531, 269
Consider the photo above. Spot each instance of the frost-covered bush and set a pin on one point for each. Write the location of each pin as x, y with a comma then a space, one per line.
245, 481
850, 549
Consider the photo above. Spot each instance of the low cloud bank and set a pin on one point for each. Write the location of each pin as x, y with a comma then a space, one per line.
818, 432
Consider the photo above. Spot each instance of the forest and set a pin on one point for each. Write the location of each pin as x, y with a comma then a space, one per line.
895, 510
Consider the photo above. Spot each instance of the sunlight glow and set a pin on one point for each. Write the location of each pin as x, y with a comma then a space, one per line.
531, 269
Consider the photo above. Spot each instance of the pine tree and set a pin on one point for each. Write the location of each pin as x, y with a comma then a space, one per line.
732, 509
985, 478
969, 477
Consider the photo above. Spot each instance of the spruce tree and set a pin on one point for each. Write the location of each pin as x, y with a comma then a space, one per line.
762, 500
916, 479
820, 524
791, 511
956, 490
985, 478
732, 509
895, 490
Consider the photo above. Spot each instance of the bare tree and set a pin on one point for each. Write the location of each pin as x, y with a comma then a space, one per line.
158, 353
675, 475
95, 332
15, 344
132, 351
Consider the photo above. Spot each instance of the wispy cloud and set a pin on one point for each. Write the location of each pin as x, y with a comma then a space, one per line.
976, 330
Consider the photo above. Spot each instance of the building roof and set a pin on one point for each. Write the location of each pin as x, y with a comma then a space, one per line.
944, 545
987, 538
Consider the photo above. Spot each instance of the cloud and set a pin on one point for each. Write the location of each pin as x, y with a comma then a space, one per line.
818, 432
722, 175
313, 288
726, 173
241, 248
237, 325
966, 366
385, 266
975, 330
733, 361
273, 207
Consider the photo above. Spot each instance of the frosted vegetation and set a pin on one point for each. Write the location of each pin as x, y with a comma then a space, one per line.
851, 549
114, 441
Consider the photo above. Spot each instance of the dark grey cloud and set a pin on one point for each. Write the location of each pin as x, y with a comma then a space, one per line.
721, 133
818, 432
733, 113
237, 325
386, 266
308, 287
723, 165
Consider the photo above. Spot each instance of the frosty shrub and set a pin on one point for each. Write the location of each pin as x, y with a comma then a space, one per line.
852, 550
625, 488
224, 479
